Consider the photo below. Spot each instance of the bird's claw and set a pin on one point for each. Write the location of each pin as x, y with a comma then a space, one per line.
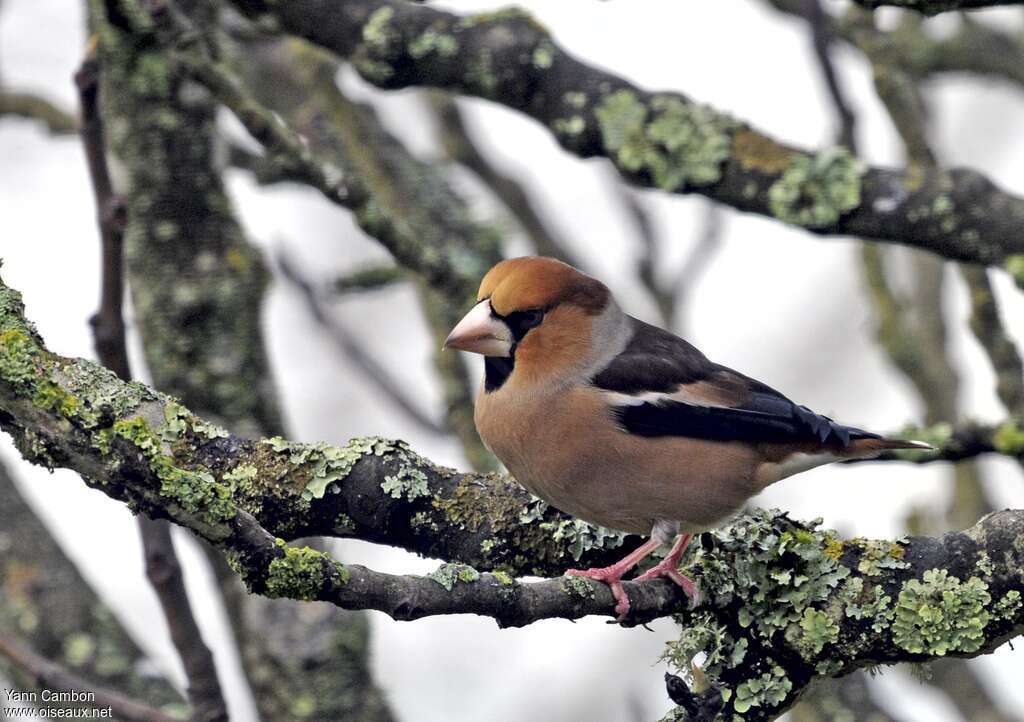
613, 578
667, 568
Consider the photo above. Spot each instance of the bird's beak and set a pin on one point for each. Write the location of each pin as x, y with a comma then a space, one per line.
480, 332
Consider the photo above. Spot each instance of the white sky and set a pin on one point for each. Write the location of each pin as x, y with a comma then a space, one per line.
777, 304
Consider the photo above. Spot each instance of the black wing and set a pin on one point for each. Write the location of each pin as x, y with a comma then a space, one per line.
682, 393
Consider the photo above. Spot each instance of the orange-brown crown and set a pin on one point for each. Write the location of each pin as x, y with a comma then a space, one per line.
531, 282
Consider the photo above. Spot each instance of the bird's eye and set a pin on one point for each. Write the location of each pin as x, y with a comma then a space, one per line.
532, 318
522, 321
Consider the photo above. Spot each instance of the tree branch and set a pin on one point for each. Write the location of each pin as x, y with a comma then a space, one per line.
934, 7
658, 139
35, 107
56, 678
162, 567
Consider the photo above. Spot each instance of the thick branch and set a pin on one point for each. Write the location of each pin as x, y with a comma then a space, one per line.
803, 602
657, 139
934, 7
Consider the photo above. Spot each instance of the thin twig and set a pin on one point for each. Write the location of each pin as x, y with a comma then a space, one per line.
459, 145
345, 341
822, 36
162, 566
54, 677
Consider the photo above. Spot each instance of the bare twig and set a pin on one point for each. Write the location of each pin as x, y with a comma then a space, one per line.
345, 341
36, 107
461, 147
822, 36
56, 678
162, 566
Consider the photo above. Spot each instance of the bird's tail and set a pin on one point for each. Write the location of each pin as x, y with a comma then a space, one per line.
872, 446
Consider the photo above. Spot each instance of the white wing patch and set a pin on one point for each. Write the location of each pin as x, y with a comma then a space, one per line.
681, 395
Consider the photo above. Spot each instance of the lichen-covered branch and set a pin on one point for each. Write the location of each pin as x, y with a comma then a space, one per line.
662, 140
800, 601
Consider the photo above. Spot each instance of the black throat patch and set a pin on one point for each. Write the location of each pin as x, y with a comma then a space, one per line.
497, 369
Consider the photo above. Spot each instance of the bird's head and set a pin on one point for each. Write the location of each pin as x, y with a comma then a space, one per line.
536, 313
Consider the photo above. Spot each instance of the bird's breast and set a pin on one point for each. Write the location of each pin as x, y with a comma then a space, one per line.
566, 448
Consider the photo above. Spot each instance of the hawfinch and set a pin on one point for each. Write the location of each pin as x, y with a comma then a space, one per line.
625, 425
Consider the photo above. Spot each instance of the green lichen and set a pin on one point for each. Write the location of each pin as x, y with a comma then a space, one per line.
503, 578
1014, 265
544, 55
578, 587
573, 125
1009, 439
940, 614
767, 690
301, 573
448, 574
1008, 607
867, 602
241, 474
816, 629
815, 190
197, 493
780, 577
434, 40
676, 142
19, 359
377, 33
877, 556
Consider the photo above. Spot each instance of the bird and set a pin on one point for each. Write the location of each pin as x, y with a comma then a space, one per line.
625, 425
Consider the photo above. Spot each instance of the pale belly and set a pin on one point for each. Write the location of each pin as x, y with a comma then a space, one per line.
567, 450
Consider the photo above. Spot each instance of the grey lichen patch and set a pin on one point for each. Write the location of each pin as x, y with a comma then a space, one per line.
940, 613
408, 482
815, 190
867, 601
302, 573
815, 630
676, 142
767, 690
326, 465
780, 576
578, 535
448, 574
877, 556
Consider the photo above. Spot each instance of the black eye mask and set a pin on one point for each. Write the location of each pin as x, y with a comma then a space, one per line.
519, 322
497, 370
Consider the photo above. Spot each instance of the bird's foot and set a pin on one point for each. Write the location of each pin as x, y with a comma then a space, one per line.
667, 567
612, 576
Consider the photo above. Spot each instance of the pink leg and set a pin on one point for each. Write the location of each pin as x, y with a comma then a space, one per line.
669, 567
612, 576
